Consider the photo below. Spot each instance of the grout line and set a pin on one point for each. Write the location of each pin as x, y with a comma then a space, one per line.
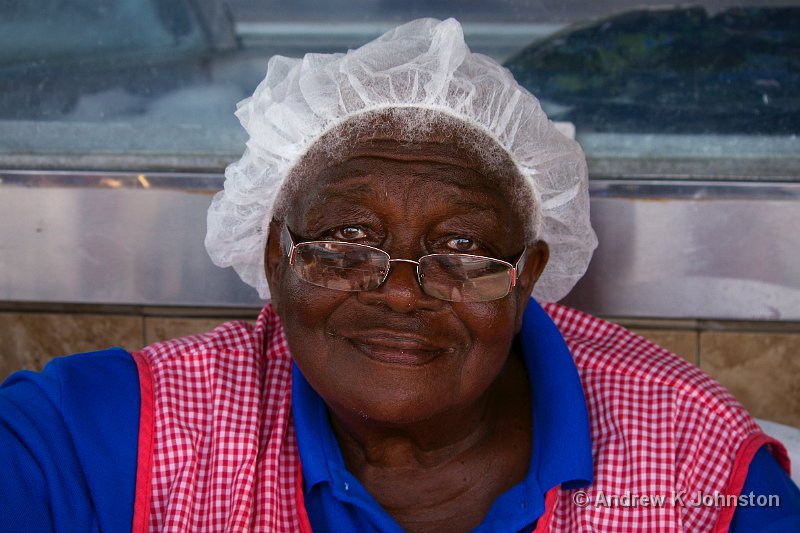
697, 352
144, 331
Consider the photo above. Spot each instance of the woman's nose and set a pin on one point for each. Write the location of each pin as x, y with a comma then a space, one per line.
401, 291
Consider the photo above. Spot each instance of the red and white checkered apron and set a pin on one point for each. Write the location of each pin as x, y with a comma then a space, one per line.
217, 449
659, 426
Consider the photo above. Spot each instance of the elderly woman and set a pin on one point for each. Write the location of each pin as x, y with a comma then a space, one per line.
399, 204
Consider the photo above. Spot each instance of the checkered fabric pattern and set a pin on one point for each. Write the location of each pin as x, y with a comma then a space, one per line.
224, 451
659, 426
225, 455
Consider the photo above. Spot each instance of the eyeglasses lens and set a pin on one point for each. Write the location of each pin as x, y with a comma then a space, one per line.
464, 278
451, 277
340, 266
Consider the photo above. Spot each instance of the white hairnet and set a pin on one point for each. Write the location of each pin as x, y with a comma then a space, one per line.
422, 64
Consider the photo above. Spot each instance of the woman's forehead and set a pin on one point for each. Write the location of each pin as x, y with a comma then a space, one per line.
391, 175
430, 160
392, 171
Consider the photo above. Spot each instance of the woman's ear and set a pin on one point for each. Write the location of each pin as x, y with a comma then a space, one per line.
273, 259
536, 259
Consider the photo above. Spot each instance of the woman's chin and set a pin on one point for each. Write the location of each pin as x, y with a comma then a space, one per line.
397, 411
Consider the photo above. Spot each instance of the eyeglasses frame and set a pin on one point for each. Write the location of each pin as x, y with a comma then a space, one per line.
515, 267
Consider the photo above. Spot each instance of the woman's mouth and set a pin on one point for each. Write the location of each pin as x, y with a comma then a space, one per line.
397, 349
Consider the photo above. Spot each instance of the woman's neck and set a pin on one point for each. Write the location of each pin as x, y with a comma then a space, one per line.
449, 469
422, 444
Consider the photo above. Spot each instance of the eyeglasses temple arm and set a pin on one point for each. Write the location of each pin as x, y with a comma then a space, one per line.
287, 243
520, 264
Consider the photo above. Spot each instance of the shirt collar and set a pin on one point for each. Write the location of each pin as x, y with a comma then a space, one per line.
317, 445
561, 440
561, 437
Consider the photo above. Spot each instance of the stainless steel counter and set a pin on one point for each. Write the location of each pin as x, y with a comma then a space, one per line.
683, 249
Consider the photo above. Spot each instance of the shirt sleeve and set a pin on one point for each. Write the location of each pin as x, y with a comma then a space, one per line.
68, 443
771, 499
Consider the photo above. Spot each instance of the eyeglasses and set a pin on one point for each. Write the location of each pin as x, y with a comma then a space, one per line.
347, 266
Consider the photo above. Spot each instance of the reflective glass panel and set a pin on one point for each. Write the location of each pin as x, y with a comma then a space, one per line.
707, 91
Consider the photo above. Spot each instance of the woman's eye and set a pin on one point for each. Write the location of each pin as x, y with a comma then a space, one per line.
462, 244
349, 233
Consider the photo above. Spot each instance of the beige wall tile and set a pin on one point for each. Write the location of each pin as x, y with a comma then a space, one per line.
164, 328
681, 342
29, 340
761, 369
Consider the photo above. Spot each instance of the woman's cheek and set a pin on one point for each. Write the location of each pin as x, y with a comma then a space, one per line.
491, 323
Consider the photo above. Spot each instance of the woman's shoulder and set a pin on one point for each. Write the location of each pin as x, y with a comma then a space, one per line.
653, 411
73, 378
617, 367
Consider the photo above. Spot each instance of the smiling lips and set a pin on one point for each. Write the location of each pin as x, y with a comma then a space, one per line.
397, 348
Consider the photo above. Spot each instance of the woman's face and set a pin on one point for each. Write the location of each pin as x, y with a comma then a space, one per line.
396, 355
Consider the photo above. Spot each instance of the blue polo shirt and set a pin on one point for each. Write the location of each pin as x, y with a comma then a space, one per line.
336, 501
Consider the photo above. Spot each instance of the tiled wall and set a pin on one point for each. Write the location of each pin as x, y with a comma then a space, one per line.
29, 337
758, 361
